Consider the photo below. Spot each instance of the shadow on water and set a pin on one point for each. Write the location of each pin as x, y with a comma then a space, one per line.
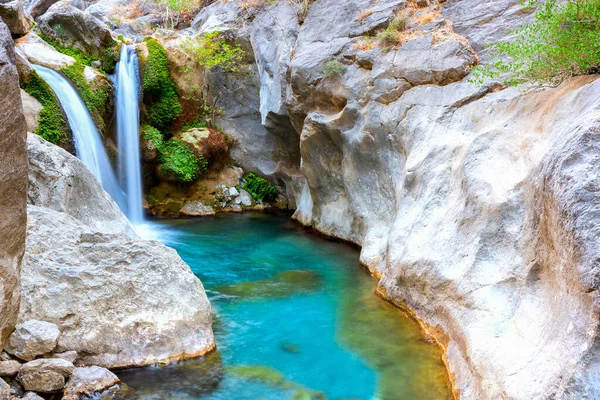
296, 317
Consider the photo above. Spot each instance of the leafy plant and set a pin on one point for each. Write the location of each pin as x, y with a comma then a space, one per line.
160, 92
562, 42
95, 99
334, 68
259, 188
181, 162
52, 123
393, 34
150, 133
210, 50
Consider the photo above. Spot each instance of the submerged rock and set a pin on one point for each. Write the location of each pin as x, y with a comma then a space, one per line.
283, 284
117, 301
32, 338
86, 381
13, 184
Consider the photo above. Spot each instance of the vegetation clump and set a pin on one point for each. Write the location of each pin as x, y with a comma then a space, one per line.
95, 98
178, 160
211, 50
394, 33
160, 92
259, 188
53, 125
562, 42
334, 68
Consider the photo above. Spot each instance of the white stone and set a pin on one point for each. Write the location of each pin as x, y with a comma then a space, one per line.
233, 192
39, 52
32, 338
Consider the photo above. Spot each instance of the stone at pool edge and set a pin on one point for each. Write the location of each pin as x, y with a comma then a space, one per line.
32, 338
45, 375
88, 380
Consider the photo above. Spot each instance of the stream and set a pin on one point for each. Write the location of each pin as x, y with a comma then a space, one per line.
295, 317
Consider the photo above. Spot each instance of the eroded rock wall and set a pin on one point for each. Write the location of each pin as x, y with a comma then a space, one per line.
13, 185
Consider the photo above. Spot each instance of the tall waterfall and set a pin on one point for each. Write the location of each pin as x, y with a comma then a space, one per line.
88, 143
128, 125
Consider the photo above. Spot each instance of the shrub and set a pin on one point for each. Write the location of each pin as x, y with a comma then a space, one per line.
95, 99
394, 33
181, 162
560, 43
160, 92
259, 188
150, 133
209, 50
334, 68
53, 125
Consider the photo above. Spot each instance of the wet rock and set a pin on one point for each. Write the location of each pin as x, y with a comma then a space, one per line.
12, 13
31, 110
39, 52
86, 381
106, 293
13, 168
9, 368
45, 375
61, 181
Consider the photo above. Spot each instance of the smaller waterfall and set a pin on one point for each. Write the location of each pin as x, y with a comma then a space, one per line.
88, 143
128, 141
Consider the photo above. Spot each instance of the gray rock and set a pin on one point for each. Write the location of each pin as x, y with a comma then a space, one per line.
39, 52
197, 209
32, 338
233, 192
4, 390
61, 181
12, 13
9, 367
244, 198
31, 110
86, 381
35, 8
118, 301
45, 375
74, 28
13, 168
32, 396
70, 356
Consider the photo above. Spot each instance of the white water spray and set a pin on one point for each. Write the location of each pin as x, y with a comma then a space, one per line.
88, 143
128, 125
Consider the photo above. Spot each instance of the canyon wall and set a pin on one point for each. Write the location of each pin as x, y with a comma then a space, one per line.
477, 206
13, 185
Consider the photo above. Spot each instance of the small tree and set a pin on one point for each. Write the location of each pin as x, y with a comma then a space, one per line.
563, 41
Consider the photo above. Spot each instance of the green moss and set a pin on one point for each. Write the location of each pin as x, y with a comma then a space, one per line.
259, 188
181, 162
150, 133
95, 99
108, 57
53, 125
160, 92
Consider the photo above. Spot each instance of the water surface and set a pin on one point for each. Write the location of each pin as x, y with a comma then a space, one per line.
296, 318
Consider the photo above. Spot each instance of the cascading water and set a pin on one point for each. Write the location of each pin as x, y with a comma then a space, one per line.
128, 119
88, 144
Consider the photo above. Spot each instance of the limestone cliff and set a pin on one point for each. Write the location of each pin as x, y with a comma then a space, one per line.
477, 207
13, 185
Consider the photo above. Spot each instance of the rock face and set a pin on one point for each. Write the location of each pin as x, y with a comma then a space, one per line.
108, 297
86, 381
13, 185
59, 181
476, 207
32, 339
14, 16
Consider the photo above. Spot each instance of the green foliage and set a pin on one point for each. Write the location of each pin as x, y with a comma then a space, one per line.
334, 68
160, 92
52, 123
563, 41
392, 35
181, 162
259, 188
94, 99
209, 50
108, 59
150, 133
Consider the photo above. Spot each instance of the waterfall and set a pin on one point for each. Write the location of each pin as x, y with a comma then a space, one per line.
128, 121
88, 143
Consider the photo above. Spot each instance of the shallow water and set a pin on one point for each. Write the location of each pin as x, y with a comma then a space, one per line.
296, 318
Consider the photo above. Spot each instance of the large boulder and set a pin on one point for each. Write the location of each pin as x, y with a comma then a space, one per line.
59, 181
13, 185
14, 16
72, 27
118, 301
32, 339
86, 381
